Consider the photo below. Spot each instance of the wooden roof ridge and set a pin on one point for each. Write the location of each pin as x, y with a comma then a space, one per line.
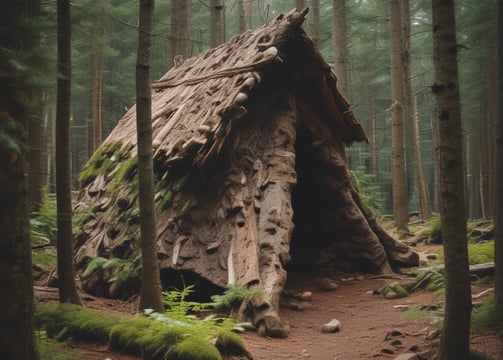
196, 104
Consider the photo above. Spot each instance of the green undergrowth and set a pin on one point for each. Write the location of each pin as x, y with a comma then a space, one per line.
43, 221
486, 316
120, 269
50, 349
478, 252
152, 336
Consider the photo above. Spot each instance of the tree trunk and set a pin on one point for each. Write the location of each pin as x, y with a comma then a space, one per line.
244, 12
315, 21
498, 217
424, 198
17, 340
97, 31
408, 114
36, 175
300, 4
400, 206
150, 293
179, 44
217, 14
67, 289
340, 46
455, 342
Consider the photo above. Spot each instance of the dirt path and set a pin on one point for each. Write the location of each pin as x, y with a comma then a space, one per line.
366, 320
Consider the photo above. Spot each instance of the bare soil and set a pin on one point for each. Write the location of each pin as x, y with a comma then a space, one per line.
372, 327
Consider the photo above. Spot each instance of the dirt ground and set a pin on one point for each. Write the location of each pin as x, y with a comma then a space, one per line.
371, 327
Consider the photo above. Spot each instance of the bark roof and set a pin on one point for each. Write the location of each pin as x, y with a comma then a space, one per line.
196, 104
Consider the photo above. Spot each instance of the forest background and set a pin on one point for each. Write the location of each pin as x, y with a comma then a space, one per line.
104, 55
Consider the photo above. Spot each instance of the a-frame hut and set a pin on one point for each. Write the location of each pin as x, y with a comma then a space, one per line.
250, 173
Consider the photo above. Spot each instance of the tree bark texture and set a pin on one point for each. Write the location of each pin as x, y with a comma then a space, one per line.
179, 44
340, 46
498, 219
455, 342
424, 198
67, 287
398, 170
150, 293
97, 59
314, 32
17, 339
217, 20
244, 13
251, 173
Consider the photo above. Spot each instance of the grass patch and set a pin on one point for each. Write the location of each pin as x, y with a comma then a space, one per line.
478, 252
435, 317
46, 256
485, 315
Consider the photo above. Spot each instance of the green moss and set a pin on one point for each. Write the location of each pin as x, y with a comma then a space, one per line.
45, 256
194, 348
126, 172
104, 159
435, 227
65, 320
478, 253
230, 343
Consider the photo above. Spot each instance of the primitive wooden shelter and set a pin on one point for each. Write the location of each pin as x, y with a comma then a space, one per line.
250, 172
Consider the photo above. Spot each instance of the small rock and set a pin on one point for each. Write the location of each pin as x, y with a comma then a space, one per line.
407, 356
304, 296
332, 326
360, 278
393, 334
387, 351
432, 256
401, 307
299, 306
396, 343
327, 284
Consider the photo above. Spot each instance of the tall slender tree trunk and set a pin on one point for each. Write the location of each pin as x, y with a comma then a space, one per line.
424, 198
300, 4
455, 342
400, 206
217, 14
17, 340
179, 44
244, 13
67, 289
315, 21
36, 175
408, 112
150, 292
340, 46
97, 31
498, 218
490, 132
